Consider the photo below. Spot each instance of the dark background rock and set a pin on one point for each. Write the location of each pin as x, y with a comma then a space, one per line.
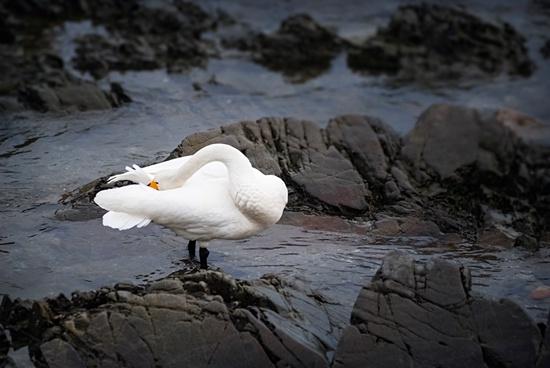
430, 43
421, 43
424, 315
301, 48
142, 36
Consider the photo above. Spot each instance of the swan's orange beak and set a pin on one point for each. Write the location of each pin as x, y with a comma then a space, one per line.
154, 184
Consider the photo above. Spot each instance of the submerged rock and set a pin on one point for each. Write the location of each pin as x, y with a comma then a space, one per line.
428, 42
187, 319
425, 315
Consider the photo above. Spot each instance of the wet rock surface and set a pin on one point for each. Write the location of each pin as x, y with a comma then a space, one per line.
189, 318
480, 174
425, 315
429, 42
411, 313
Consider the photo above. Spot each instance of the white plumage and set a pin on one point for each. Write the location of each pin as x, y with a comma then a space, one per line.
213, 194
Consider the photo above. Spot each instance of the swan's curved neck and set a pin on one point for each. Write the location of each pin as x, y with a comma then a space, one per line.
231, 157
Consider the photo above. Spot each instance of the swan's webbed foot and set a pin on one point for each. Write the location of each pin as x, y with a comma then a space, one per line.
191, 246
203, 255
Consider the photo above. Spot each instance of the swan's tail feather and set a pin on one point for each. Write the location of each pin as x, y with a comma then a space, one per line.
128, 206
124, 221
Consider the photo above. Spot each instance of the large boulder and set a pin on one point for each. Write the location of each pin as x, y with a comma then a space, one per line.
493, 163
334, 170
424, 315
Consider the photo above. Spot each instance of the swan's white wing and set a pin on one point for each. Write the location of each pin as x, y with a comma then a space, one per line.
196, 211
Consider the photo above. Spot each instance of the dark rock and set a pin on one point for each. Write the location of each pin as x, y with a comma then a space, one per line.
146, 37
544, 356
58, 353
545, 49
98, 55
142, 36
71, 97
301, 48
173, 323
493, 163
430, 43
4, 345
424, 315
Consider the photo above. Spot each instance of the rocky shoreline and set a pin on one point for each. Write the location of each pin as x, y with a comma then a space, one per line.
480, 175
411, 313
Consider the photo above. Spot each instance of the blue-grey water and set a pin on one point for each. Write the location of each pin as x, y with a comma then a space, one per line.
44, 155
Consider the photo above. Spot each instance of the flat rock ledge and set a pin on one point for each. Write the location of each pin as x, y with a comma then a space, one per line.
192, 318
424, 315
484, 175
411, 314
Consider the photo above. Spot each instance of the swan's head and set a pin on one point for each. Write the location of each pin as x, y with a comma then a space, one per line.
263, 199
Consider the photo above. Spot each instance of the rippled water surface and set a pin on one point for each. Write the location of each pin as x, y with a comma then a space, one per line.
44, 155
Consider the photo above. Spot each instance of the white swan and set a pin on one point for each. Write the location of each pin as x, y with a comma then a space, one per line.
213, 194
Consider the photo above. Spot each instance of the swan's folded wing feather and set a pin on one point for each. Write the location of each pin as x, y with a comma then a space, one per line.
124, 221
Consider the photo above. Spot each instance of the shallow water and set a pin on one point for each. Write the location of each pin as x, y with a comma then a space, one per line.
44, 155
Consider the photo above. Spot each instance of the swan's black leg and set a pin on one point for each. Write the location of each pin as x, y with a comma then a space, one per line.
203, 255
191, 248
